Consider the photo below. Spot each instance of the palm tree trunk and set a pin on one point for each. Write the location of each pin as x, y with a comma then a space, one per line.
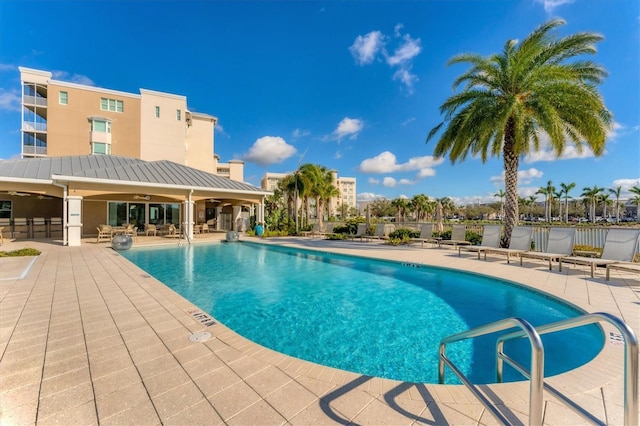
510, 181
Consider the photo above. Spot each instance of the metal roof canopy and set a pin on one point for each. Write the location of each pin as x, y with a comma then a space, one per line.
111, 173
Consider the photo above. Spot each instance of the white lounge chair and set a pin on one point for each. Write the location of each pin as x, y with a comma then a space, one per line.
426, 235
620, 246
361, 232
490, 239
559, 244
521, 237
458, 235
380, 232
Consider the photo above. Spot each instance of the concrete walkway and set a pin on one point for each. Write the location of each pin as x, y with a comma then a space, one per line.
86, 338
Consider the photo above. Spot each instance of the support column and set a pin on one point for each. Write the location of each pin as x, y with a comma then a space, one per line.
218, 218
74, 220
189, 212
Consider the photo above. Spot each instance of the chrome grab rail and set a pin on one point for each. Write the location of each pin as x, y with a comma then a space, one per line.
630, 359
537, 365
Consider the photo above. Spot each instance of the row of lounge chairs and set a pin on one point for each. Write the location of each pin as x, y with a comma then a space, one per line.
619, 249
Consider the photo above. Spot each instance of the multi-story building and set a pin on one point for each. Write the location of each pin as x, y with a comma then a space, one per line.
337, 205
64, 119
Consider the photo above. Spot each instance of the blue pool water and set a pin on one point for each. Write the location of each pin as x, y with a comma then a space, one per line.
372, 317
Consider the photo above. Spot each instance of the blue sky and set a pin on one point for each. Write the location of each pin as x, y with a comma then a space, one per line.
352, 85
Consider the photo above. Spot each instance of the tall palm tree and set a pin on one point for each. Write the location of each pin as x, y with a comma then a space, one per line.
510, 99
606, 201
501, 195
419, 204
636, 191
548, 192
401, 205
448, 206
591, 196
564, 190
616, 192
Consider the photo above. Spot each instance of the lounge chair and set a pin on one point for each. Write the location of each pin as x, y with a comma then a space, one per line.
380, 232
328, 229
620, 246
458, 235
361, 232
426, 235
521, 237
623, 266
490, 239
559, 244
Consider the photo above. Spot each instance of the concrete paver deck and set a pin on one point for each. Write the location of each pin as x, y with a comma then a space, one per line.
86, 337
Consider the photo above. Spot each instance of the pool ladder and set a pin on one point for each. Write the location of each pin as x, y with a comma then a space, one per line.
536, 372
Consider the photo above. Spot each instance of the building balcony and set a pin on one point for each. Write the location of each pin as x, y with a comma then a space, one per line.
34, 127
34, 150
34, 100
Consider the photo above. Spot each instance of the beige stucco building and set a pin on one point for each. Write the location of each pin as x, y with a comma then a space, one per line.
65, 119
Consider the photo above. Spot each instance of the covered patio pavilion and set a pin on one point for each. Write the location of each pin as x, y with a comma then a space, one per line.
84, 192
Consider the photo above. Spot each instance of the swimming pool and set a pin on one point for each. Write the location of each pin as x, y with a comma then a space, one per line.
373, 317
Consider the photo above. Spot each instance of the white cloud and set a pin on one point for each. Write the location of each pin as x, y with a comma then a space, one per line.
368, 196
386, 162
350, 127
337, 155
299, 133
269, 150
72, 78
524, 176
7, 67
10, 100
365, 48
405, 182
373, 181
408, 121
626, 185
220, 130
389, 182
405, 52
549, 5
570, 152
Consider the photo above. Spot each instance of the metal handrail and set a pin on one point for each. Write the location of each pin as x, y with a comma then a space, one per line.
630, 359
537, 365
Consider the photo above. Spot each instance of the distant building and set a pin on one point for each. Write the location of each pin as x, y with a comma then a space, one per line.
67, 119
346, 187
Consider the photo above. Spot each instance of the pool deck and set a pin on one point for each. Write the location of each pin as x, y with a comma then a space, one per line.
86, 337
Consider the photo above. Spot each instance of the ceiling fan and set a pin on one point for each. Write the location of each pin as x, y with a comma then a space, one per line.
142, 197
44, 197
19, 194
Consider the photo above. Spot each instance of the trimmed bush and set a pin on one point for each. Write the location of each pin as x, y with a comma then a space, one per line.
20, 252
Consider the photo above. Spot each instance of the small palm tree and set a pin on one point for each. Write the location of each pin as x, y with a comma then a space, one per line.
591, 196
401, 205
501, 195
565, 188
616, 192
636, 191
510, 99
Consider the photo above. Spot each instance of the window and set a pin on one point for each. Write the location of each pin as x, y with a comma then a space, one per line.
112, 105
5, 210
63, 98
178, 115
100, 148
157, 112
100, 126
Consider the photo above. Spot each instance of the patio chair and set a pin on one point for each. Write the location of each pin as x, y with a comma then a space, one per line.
151, 229
490, 239
132, 231
104, 233
172, 231
328, 229
458, 235
379, 233
361, 232
521, 237
205, 228
620, 246
559, 244
426, 235
1, 237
